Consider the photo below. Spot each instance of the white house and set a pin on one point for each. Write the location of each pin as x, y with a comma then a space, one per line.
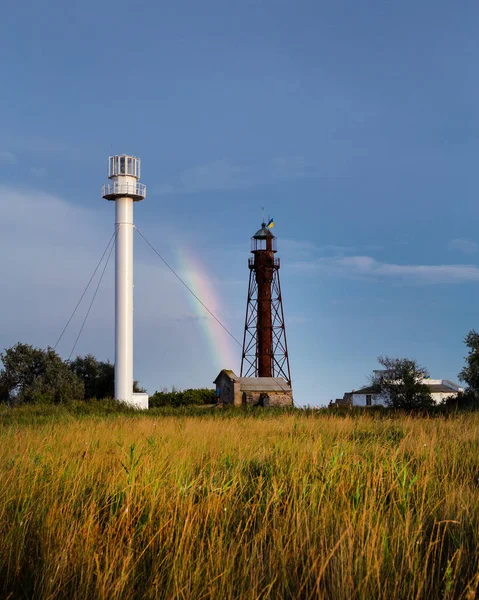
369, 396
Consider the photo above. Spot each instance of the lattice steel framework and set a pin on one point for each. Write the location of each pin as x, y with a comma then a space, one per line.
265, 349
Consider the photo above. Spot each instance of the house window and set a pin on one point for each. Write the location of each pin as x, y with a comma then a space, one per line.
368, 399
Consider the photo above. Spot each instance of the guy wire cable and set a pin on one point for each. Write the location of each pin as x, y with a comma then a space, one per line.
94, 296
84, 291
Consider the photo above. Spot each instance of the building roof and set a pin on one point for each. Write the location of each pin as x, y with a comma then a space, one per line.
371, 389
257, 384
263, 233
263, 384
228, 373
435, 386
452, 384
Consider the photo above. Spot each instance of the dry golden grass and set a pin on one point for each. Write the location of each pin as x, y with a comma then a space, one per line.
285, 506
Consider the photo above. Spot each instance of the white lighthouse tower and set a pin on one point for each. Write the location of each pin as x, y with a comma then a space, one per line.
124, 189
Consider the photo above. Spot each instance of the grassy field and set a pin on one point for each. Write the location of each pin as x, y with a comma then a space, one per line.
238, 505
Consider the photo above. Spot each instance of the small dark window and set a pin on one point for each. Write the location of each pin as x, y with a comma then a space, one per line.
368, 399
122, 165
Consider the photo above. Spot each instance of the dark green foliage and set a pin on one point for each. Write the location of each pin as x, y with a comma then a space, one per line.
467, 399
98, 377
182, 397
32, 375
137, 388
400, 384
470, 373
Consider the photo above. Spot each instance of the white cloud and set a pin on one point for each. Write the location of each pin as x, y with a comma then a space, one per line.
7, 157
303, 250
463, 245
368, 267
361, 263
224, 174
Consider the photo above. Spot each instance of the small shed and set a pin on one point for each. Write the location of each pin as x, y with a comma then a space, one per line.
255, 391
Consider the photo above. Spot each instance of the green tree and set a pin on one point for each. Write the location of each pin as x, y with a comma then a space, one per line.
137, 388
400, 384
470, 372
98, 377
33, 375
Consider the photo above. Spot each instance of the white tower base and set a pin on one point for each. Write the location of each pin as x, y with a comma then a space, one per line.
140, 400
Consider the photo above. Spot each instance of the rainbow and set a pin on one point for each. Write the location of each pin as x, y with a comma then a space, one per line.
225, 353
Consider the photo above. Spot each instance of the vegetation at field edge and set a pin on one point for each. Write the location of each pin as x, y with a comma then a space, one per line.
238, 505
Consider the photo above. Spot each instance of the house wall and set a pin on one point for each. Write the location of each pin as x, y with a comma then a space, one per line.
227, 391
438, 397
279, 399
360, 399
267, 398
238, 396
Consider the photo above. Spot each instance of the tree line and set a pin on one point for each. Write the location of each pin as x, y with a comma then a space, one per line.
33, 375
36, 376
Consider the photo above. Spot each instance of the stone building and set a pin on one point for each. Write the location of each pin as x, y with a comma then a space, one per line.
255, 391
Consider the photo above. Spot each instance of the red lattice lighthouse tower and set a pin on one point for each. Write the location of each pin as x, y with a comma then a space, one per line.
265, 351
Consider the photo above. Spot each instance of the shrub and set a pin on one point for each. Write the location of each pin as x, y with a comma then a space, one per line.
187, 397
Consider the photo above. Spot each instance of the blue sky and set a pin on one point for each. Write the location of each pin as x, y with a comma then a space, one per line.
354, 123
